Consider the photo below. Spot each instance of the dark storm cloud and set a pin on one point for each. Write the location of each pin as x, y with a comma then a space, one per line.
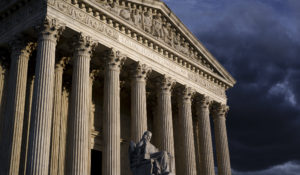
258, 41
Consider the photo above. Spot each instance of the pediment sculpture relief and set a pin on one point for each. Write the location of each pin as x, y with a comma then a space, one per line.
153, 22
146, 159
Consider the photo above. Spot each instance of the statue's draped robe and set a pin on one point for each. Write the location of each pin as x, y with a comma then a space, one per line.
147, 151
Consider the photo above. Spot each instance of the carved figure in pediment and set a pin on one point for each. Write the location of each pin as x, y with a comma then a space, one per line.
125, 13
148, 22
177, 42
185, 48
137, 18
113, 6
192, 53
157, 26
167, 33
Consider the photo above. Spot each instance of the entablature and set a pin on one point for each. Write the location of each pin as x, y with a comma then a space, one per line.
155, 21
144, 43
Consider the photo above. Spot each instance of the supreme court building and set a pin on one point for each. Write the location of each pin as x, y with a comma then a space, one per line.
80, 79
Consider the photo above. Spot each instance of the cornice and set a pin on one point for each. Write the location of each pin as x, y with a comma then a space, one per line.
142, 36
114, 27
191, 37
116, 30
205, 59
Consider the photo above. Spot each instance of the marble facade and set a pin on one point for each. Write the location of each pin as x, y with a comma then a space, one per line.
95, 74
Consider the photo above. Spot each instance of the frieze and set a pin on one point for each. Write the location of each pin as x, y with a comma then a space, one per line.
153, 22
98, 25
150, 54
187, 74
83, 17
206, 84
97, 20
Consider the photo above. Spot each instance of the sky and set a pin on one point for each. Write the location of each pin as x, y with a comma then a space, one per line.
258, 42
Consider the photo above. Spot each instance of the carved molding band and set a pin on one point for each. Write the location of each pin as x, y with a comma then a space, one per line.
105, 25
96, 19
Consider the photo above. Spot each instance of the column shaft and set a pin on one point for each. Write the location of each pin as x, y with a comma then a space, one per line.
93, 74
63, 132
42, 103
79, 122
186, 126
14, 114
2, 87
205, 140
26, 126
165, 121
56, 119
196, 141
138, 102
221, 140
111, 120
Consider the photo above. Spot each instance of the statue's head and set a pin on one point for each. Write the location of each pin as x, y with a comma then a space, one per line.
147, 136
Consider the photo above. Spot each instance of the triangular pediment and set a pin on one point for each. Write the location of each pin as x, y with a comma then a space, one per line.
153, 18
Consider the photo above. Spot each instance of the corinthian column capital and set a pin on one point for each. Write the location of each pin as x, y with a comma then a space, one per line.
94, 73
203, 101
165, 83
51, 29
140, 71
19, 46
114, 59
186, 93
62, 63
219, 110
84, 45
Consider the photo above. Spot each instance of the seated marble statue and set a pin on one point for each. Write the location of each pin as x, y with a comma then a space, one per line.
146, 159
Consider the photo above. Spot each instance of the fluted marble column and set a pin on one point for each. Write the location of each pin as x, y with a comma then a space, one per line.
205, 141
186, 126
94, 73
59, 68
196, 141
164, 112
26, 125
79, 119
111, 118
3, 88
63, 131
42, 102
138, 101
223, 159
14, 114
3, 73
